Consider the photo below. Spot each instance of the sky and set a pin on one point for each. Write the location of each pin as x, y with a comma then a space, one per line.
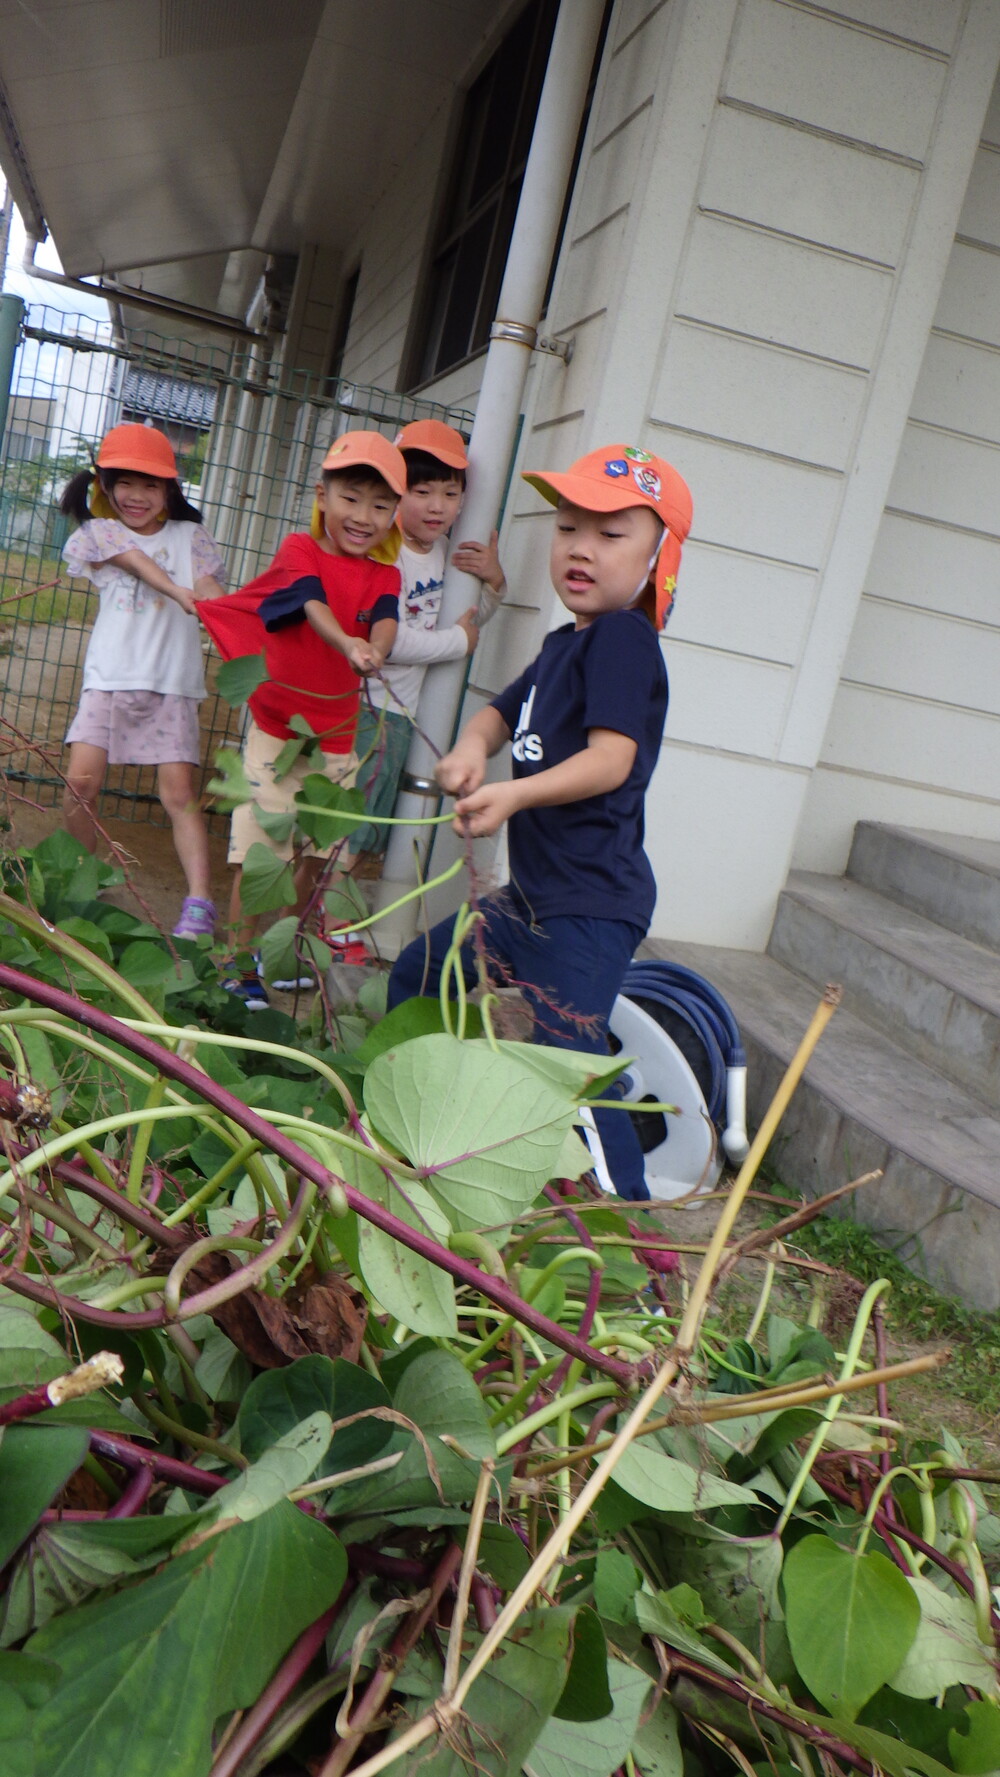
35, 290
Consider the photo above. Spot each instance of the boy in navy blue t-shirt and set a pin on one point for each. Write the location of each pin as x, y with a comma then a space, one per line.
585, 720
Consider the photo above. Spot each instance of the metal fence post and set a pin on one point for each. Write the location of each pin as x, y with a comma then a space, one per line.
11, 320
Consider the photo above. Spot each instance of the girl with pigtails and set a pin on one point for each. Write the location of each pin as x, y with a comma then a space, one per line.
144, 547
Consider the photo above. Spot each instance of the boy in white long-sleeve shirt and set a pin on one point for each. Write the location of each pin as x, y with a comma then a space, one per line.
436, 464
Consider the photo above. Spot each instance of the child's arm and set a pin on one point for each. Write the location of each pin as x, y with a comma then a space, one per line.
429, 647
207, 587
364, 657
137, 562
462, 770
603, 765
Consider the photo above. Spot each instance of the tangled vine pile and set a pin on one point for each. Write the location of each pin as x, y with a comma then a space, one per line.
343, 1431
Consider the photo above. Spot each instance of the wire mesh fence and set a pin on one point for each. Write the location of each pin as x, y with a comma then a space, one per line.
249, 434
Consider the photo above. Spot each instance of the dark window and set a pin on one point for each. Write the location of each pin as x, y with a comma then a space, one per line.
493, 141
345, 315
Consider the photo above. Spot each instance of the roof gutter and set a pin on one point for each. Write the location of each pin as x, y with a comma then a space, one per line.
113, 291
514, 336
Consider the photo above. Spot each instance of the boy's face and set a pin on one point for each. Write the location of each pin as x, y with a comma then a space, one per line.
357, 514
600, 560
428, 510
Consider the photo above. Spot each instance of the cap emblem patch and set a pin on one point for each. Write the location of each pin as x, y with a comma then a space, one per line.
635, 455
647, 481
615, 466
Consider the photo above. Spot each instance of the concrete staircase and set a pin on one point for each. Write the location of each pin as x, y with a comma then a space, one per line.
907, 1076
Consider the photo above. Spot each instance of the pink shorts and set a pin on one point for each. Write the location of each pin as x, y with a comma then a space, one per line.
139, 727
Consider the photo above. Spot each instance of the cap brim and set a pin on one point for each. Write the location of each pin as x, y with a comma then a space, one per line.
588, 494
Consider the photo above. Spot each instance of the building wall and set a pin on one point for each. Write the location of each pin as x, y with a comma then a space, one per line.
757, 245
757, 242
914, 734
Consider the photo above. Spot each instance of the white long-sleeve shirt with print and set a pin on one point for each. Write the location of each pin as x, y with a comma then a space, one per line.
419, 643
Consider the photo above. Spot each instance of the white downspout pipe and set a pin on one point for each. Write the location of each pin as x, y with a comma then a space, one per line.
513, 338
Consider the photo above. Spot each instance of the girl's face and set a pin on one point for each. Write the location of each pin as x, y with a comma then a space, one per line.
600, 560
428, 510
140, 502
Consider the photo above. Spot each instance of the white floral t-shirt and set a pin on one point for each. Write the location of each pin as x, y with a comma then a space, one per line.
142, 640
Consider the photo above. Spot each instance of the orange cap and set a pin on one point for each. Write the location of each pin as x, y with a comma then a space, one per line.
620, 475
141, 448
437, 440
354, 450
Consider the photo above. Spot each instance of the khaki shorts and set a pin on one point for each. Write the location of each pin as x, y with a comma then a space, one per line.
260, 750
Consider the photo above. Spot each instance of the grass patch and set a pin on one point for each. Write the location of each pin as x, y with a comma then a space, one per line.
914, 1311
70, 602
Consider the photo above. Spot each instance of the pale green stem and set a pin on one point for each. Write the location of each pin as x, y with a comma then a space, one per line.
832, 1407
564, 1490
221, 1040
628, 1341
450, 967
193, 1255
568, 1255
527, 1388
486, 1004
183, 1434
350, 821
212, 1186
594, 1391
928, 1518
762, 1301
140, 1150
473, 1246
63, 1144
127, 1292
300, 1263
413, 894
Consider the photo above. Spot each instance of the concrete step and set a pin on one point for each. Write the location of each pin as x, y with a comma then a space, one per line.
954, 881
864, 1103
934, 992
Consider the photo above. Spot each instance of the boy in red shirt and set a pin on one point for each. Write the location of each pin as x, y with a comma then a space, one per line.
322, 614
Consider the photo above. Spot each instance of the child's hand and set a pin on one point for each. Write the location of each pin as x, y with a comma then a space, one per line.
485, 811
480, 559
469, 621
363, 656
460, 771
185, 597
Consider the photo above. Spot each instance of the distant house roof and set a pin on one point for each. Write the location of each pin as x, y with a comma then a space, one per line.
168, 398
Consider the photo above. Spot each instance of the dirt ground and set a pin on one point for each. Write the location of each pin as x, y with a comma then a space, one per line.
155, 886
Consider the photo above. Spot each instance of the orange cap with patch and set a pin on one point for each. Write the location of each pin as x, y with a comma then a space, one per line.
369, 450
142, 449
437, 440
621, 475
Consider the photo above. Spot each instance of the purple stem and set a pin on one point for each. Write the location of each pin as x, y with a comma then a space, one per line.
887, 1530
77, 1176
291, 1671
171, 1065
166, 1468
26, 1406
364, 1559
582, 1232
134, 1495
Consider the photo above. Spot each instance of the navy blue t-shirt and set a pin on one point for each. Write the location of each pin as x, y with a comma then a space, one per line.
586, 857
